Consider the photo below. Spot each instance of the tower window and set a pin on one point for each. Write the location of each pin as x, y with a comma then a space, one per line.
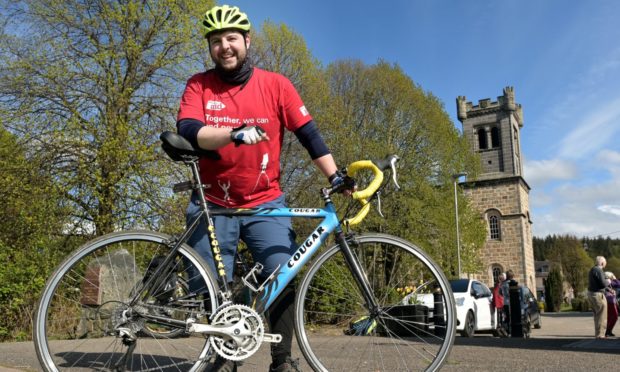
494, 137
495, 227
482, 139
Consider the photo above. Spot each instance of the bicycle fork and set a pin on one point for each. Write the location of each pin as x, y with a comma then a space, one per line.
358, 273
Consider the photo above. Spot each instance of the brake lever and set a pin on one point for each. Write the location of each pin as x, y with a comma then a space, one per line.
379, 204
393, 161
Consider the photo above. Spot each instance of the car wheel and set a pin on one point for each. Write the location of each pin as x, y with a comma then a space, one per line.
470, 325
527, 327
538, 324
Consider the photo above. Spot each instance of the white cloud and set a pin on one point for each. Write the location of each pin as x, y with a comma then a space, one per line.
575, 219
593, 131
590, 209
540, 172
613, 209
609, 156
539, 198
610, 161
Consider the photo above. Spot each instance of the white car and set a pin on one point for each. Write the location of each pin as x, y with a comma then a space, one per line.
474, 307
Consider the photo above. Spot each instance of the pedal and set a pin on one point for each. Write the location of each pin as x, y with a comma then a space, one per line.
273, 338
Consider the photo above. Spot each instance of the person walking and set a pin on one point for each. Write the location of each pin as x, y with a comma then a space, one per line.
612, 302
596, 296
498, 305
240, 112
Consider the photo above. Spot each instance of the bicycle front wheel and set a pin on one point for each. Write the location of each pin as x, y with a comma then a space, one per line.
86, 319
412, 329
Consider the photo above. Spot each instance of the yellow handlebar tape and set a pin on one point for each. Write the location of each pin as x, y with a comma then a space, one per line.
360, 215
363, 195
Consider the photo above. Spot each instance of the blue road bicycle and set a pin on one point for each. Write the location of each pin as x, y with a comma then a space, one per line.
121, 302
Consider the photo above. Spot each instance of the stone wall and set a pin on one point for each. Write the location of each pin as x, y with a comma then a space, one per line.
514, 250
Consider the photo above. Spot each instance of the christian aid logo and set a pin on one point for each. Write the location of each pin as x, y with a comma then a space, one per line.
215, 105
304, 247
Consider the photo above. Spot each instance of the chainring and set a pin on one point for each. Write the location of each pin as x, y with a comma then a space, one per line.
250, 331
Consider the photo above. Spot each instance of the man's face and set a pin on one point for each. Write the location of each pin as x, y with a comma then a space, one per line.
229, 48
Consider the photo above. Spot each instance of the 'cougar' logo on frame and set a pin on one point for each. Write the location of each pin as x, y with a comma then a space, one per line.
304, 247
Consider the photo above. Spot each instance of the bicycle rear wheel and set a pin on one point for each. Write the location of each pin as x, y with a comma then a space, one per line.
176, 299
413, 328
84, 320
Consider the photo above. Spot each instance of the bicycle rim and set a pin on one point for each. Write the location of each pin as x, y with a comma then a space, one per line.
412, 330
83, 312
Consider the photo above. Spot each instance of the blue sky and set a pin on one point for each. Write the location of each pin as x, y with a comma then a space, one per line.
562, 57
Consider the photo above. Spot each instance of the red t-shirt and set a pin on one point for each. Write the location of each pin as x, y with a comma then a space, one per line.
247, 175
498, 298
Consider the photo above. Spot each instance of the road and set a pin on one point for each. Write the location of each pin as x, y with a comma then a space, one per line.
564, 343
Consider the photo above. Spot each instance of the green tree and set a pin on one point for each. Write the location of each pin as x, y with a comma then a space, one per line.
32, 216
381, 112
613, 265
553, 290
574, 260
91, 84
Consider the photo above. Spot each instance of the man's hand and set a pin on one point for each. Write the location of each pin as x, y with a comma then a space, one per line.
248, 135
342, 184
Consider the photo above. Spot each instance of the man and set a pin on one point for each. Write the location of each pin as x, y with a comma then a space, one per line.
505, 289
240, 112
596, 295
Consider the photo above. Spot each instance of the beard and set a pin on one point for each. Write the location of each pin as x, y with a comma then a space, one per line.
236, 74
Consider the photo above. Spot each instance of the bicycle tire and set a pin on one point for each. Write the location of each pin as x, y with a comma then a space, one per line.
85, 301
334, 329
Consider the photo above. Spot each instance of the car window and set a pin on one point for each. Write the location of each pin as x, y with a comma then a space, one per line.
459, 286
487, 291
477, 289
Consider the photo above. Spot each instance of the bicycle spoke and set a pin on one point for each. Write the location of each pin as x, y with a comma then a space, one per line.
331, 316
86, 320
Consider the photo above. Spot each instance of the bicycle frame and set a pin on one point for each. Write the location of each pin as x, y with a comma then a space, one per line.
283, 275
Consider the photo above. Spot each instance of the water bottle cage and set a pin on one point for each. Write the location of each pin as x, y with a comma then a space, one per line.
251, 279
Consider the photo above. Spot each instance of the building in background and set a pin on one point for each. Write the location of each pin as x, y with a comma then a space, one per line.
500, 192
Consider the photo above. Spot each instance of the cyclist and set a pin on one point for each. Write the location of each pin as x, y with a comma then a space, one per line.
240, 112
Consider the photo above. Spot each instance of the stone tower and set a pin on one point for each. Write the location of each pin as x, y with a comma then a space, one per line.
500, 192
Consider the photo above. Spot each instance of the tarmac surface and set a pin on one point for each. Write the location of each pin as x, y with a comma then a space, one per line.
564, 343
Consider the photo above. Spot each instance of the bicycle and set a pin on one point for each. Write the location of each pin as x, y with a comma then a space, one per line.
348, 316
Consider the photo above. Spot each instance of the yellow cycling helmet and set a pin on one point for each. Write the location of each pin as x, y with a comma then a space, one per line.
225, 17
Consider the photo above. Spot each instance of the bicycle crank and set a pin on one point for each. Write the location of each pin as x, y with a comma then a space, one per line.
236, 331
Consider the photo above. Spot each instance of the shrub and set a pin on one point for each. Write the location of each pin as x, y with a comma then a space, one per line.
581, 303
553, 290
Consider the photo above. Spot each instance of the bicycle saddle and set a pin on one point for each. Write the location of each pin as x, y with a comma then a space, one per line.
179, 149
